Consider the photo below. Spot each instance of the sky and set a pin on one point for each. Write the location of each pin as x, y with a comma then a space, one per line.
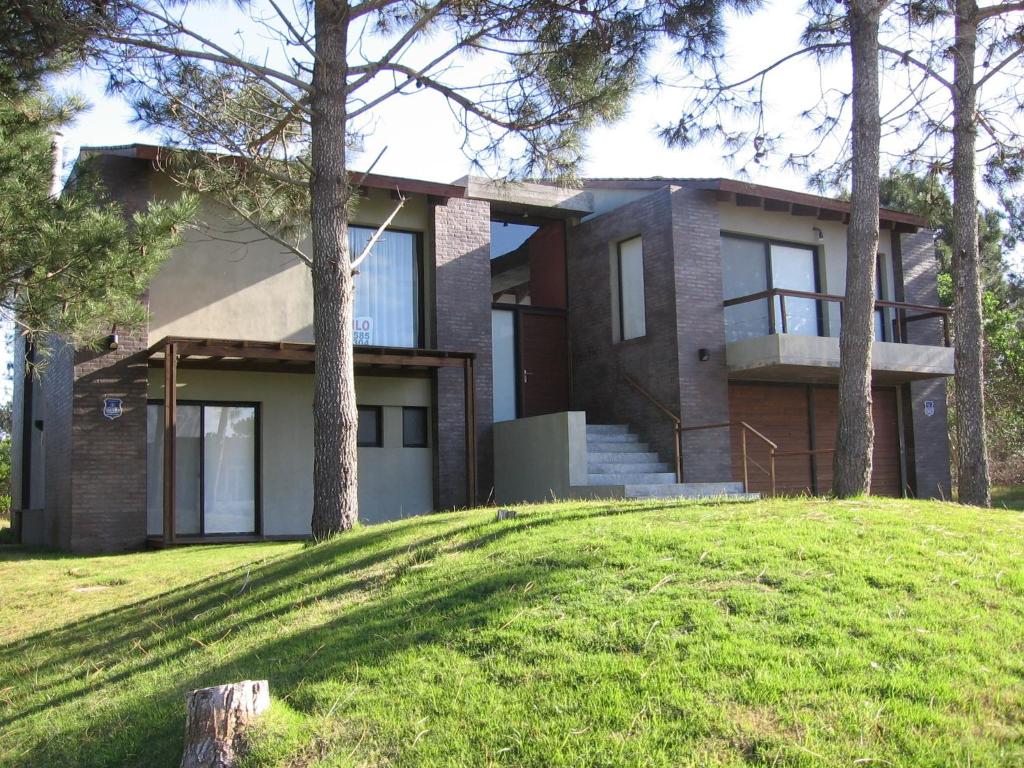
422, 140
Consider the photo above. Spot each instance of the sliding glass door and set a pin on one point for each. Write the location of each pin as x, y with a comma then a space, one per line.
216, 480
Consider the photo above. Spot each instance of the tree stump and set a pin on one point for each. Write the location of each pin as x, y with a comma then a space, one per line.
216, 720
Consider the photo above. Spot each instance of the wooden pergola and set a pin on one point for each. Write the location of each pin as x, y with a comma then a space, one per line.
175, 352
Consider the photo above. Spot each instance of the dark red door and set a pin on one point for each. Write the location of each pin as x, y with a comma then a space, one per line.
543, 363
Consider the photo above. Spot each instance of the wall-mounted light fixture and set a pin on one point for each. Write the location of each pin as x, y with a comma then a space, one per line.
703, 354
819, 233
112, 340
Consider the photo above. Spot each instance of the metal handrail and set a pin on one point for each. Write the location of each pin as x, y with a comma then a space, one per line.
744, 429
927, 311
677, 423
679, 429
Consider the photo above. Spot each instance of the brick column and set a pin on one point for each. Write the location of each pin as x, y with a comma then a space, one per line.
462, 288
108, 456
928, 439
599, 363
700, 324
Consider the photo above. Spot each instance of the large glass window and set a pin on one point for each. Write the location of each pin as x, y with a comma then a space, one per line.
632, 310
744, 272
229, 468
751, 266
215, 477
387, 301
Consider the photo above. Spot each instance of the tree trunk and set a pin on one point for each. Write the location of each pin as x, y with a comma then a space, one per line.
216, 720
335, 418
972, 459
856, 433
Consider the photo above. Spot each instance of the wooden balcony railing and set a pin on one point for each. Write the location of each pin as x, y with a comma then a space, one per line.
775, 298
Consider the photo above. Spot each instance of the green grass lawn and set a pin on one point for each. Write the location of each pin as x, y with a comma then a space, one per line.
783, 633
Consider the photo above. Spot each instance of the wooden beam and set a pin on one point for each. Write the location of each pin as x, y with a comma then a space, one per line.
470, 407
429, 361
246, 351
170, 433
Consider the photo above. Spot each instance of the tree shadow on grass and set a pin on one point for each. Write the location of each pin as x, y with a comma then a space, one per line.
133, 665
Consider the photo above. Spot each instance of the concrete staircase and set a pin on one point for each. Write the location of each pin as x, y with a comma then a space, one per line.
619, 465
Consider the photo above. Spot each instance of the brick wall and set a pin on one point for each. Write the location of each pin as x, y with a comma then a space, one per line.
57, 431
683, 297
17, 424
700, 324
598, 362
462, 288
108, 459
928, 436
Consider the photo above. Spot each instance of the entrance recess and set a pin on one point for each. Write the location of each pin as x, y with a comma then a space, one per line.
529, 332
531, 366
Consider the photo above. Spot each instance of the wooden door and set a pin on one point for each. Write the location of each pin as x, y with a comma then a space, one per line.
885, 462
798, 417
544, 363
780, 413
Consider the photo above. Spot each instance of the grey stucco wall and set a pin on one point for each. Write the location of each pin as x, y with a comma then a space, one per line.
928, 436
540, 458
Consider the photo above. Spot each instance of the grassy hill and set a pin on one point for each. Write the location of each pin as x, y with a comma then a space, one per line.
783, 633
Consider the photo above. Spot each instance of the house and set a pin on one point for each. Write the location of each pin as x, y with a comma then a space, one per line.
631, 337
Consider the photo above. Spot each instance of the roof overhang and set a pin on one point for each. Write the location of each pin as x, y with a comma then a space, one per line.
748, 195
528, 198
156, 154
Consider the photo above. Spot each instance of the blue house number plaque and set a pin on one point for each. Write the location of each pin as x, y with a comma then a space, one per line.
113, 407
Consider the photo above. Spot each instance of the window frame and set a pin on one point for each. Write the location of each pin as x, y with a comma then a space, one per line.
420, 314
379, 419
768, 242
426, 426
257, 461
622, 310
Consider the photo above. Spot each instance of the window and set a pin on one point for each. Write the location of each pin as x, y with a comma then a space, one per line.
371, 431
414, 427
217, 467
388, 309
750, 266
632, 312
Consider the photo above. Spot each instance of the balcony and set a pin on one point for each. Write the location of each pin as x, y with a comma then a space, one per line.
787, 335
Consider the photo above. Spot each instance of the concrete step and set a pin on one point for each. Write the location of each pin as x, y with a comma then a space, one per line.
607, 429
732, 491
631, 478
611, 437
613, 465
624, 457
605, 446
